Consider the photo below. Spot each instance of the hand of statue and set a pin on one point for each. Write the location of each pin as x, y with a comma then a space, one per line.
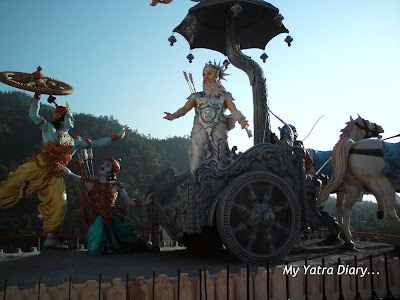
122, 132
37, 96
244, 123
148, 200
169, 116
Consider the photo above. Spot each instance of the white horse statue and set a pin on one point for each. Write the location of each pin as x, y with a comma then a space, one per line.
356, 130
372, 163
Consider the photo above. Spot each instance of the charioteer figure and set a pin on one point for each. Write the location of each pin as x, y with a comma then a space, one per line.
209, 136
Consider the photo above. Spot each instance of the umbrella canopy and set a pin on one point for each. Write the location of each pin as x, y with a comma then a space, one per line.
205, 24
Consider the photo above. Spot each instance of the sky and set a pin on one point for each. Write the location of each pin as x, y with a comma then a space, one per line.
344, 61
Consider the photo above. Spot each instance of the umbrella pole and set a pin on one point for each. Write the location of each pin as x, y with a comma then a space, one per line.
262, 126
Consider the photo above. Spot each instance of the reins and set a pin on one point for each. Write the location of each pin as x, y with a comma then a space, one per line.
367, 130
397, 135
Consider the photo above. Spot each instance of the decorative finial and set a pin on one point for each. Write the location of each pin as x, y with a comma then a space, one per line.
172, 40
190, 57
288, 40
37, 75
264, 57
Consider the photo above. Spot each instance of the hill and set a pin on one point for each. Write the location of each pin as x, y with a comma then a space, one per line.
142, 157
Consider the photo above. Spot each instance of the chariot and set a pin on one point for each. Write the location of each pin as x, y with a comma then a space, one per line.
259, 204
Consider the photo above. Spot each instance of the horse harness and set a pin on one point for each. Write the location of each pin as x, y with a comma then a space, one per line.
370, 152
374, 132
369, 133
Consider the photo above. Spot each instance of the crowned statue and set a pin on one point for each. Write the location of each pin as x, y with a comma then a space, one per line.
209, 136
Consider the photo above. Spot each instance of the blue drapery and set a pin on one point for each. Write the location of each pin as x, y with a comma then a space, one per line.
121, 239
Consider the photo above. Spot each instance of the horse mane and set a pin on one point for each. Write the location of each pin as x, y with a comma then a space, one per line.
349, 126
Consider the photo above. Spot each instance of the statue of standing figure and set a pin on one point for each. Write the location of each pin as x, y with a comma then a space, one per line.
43, 172
209, 136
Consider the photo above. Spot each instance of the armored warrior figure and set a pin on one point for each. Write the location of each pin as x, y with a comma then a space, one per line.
286, 136
210, 127
110, 230
43, 172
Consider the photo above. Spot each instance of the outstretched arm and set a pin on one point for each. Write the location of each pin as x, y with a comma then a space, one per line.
85, 143
183, 110
132, 202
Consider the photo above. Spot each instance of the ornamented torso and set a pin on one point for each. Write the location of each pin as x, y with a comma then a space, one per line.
102, 200
54, 157
209, 110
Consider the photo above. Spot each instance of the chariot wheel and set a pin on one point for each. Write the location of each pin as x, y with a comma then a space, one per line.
36, 82
258, 217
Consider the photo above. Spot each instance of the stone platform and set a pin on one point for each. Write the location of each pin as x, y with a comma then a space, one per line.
56, 266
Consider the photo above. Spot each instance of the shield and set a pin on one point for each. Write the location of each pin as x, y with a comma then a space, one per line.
206, 23
36, 82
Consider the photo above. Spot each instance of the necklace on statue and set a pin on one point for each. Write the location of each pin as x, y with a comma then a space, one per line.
62, 135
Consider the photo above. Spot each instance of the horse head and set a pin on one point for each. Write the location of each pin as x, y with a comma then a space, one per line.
361, 128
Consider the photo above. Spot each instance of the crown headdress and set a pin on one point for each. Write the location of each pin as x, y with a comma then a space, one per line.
218, 68
115, 163
60, 111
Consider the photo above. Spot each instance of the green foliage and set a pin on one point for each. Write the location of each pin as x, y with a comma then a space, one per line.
142, 157
363, 218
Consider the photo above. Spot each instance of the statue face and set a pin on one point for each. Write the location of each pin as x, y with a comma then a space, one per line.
209, 75
106, 168
69, 121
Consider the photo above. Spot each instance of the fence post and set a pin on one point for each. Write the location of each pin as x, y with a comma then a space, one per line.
154, 284
40, 280
227, 282
69, 287
127, 287
5, 289
179, 284
388, 292
100, 286
268, 284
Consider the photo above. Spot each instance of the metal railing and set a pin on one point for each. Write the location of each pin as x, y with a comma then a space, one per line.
248, 291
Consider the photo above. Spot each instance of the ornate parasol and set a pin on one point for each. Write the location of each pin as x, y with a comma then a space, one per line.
206, 23
228, 26
36, 82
